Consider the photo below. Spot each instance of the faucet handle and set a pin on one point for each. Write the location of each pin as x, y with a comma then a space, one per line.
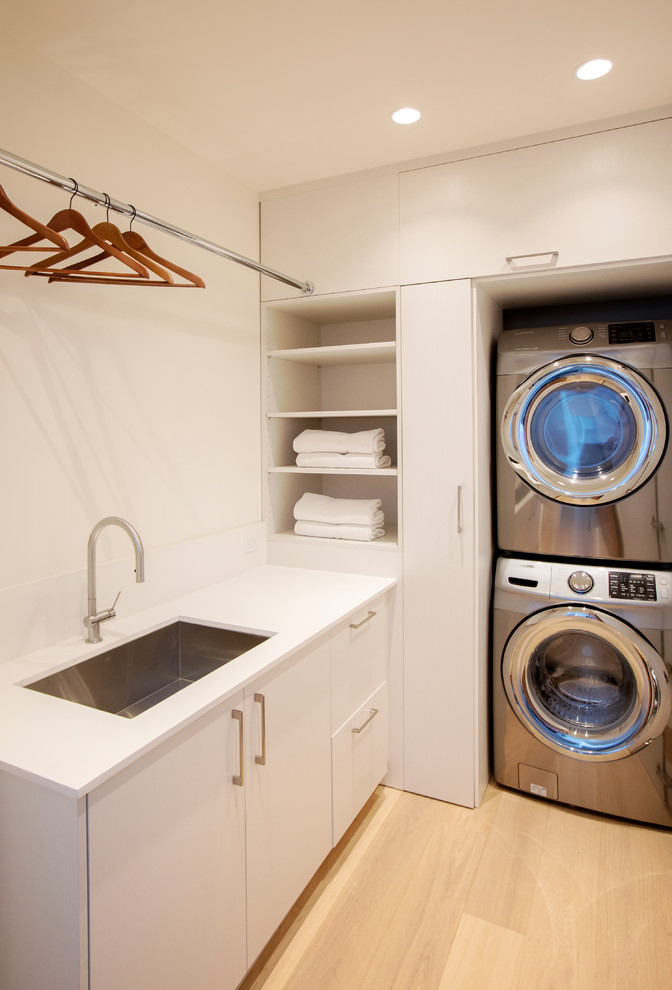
92, 622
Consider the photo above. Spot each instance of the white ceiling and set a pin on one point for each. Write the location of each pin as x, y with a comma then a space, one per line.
280, 92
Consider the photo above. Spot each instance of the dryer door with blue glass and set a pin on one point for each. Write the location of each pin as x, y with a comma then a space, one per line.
582, 442
584, 430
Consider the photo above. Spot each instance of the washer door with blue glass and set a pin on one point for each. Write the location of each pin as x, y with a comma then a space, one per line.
584, 430
586, 683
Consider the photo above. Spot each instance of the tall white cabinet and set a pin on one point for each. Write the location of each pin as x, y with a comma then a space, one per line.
445, 658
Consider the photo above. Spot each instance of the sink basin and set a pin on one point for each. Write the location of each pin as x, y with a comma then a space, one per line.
131, 678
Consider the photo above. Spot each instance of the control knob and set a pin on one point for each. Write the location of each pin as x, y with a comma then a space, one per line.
581, 582
581, 335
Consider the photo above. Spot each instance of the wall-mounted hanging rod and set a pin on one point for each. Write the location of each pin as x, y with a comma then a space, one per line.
71, 186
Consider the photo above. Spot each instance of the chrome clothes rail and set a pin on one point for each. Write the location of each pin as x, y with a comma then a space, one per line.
72, 186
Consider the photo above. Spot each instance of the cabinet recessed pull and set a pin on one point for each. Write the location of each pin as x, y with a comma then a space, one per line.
527, 262
459, 509
357, 625
261, 700
372, 714
239, 778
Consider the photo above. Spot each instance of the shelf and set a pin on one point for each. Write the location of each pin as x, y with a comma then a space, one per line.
387, 542
383, 352
333, 367
390, 472
325, 413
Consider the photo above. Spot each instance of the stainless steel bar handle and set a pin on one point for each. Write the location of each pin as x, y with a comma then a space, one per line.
261, 760
358, 625
239, 778
459, 509
372, 714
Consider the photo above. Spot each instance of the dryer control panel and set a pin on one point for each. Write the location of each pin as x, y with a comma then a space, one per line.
641, 343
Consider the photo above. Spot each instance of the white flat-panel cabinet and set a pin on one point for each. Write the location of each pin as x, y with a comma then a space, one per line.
359, 711
341, 237
440, 544
43, 881
590, 199
360, 754
287, 787
167, 865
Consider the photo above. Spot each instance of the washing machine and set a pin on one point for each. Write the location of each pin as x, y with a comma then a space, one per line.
582, 685
584, 467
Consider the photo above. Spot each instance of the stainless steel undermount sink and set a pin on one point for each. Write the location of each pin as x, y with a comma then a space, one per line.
131, 678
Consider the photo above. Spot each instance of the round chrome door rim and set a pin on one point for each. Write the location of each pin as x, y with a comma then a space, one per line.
643, 402
649, 715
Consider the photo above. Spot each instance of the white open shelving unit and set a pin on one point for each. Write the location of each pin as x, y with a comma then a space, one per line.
331, 363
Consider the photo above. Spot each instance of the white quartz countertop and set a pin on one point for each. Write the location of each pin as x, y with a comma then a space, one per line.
72, 748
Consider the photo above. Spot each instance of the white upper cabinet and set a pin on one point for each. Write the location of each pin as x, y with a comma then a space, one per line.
340, 237
597, 198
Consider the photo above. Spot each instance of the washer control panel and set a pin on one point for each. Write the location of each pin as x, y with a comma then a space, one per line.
632, 586
594, 583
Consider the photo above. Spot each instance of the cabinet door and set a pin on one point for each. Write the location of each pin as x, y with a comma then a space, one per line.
439, 541
584, 200
167, 866
288, 795
340, 237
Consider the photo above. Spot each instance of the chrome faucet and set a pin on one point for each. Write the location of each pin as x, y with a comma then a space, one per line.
93, 619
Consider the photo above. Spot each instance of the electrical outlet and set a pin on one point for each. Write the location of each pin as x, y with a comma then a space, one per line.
251, 544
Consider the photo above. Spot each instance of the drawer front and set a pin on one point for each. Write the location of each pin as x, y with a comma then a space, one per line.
359, 759
358, 660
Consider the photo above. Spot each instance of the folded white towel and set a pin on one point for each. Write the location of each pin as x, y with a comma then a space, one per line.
364, 442
327, 459
341, 511
338, 532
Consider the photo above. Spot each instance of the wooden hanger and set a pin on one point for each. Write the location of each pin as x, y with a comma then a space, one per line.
136, 241
140, 250
42, 232
110, 233
75, 221
60, 221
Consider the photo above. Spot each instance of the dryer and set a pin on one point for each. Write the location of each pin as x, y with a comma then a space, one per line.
584, 467
582, 685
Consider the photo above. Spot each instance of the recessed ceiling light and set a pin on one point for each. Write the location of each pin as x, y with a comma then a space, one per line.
594, 68
407, 115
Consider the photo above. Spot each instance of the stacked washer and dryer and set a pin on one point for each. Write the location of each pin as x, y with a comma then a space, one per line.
582, 604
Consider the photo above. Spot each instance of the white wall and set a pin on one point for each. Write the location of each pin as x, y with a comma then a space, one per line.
139, 402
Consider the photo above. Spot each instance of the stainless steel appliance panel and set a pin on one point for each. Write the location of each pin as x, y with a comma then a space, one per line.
582, 692
582, 442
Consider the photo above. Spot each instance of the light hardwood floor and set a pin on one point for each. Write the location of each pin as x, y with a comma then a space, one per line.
520, 894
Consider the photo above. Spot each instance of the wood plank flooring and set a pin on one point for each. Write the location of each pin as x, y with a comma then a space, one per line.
519, 894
